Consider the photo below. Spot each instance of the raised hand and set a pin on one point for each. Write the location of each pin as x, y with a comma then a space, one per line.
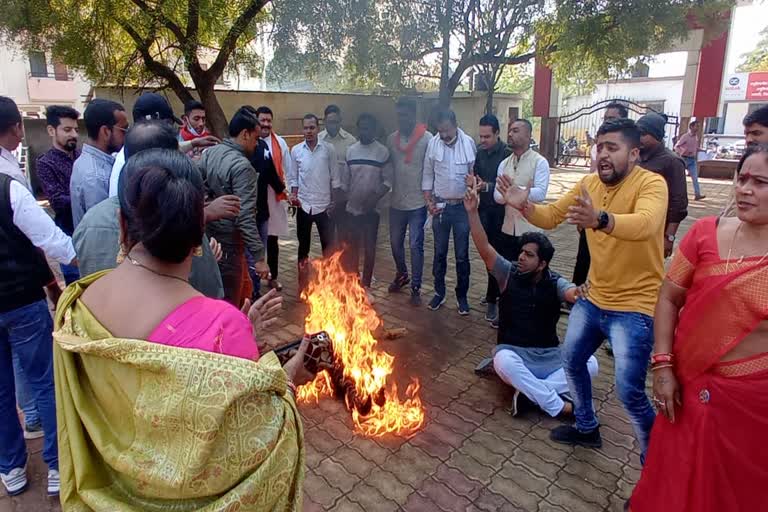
263, 313
583, 213
513, 195
472, 196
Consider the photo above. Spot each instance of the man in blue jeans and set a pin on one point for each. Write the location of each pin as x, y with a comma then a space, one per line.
450, 158
407, 148
622, 208
25, 322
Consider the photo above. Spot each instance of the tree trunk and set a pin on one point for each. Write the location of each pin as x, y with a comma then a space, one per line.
446, 93
489, 100
217, 121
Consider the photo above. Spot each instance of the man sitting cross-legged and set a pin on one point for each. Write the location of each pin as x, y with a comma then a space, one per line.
527, 356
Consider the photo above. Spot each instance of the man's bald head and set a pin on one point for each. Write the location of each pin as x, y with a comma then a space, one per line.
150, 135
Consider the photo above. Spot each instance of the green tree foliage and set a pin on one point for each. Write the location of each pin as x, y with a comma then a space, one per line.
161, 43
757, 59
392, 44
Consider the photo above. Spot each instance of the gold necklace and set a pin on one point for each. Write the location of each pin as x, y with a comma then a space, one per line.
137, 263
741, 259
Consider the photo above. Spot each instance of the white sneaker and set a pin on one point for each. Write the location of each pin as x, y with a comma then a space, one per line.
54, 482
15, 481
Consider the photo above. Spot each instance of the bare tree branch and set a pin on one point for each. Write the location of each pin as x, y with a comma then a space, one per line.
230, 41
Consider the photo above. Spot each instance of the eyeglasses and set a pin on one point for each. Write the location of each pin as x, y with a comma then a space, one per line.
124, 130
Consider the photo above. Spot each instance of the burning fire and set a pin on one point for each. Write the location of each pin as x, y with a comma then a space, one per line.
339, 306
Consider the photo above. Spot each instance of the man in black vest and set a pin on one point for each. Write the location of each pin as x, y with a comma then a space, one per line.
527, 356
25, 322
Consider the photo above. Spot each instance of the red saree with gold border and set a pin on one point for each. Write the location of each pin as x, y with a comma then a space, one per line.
714, 458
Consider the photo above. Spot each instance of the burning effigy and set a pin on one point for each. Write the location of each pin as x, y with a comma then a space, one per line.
361, 372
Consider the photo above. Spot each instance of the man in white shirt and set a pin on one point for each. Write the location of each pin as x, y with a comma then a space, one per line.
524, 166
449, 159
25, 323
314, 179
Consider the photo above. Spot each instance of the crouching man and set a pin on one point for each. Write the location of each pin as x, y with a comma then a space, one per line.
528, 353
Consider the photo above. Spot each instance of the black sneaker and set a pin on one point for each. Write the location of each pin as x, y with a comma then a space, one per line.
400, 281
485, 367
491, 311
520, 404
495, 322
463, 306
415, 297
567, 434
436, 302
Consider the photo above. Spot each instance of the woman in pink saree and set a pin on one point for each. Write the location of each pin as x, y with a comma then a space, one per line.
164, 400
708, 448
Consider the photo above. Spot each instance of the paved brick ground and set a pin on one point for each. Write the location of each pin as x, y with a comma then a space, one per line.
470, 455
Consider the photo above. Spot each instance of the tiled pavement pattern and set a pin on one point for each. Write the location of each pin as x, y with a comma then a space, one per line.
470, 455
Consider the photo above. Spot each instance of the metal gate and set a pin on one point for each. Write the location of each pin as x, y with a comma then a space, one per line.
576, 130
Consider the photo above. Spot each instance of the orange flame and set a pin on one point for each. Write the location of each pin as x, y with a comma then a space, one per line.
339, 306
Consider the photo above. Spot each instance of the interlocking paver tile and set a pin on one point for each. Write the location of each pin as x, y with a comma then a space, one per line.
514, 492
535, 463
418, 503
482, 454
370, 450
337, 430
525, 478
411, 465
320, 491
335, 474
389, 486
345, 505
571, 501
370, 499
443, 496
470, 467
432, 445
458, 482
353, 462
493, 443
321, 440
583, 488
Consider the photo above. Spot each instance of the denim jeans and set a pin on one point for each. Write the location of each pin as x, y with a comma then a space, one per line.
24, 396
693, 171
631, 336
255, 279
412, 221
26, 333
70, 273
454, 217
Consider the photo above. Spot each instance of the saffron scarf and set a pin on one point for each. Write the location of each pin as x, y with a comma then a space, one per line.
187, 134
415, 137
277, 158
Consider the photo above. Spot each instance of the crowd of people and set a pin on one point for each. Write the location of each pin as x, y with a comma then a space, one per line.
154, 225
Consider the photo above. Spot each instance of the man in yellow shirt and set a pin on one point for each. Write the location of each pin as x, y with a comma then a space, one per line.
622, 208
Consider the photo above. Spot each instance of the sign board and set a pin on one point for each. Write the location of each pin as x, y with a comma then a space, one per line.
735, 87
757, 87
746, 87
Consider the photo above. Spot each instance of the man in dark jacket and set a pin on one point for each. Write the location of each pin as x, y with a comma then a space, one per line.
654, 156
490, 153
527, 356
228, 170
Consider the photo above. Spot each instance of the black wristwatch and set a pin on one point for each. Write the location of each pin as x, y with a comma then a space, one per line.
602, 220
